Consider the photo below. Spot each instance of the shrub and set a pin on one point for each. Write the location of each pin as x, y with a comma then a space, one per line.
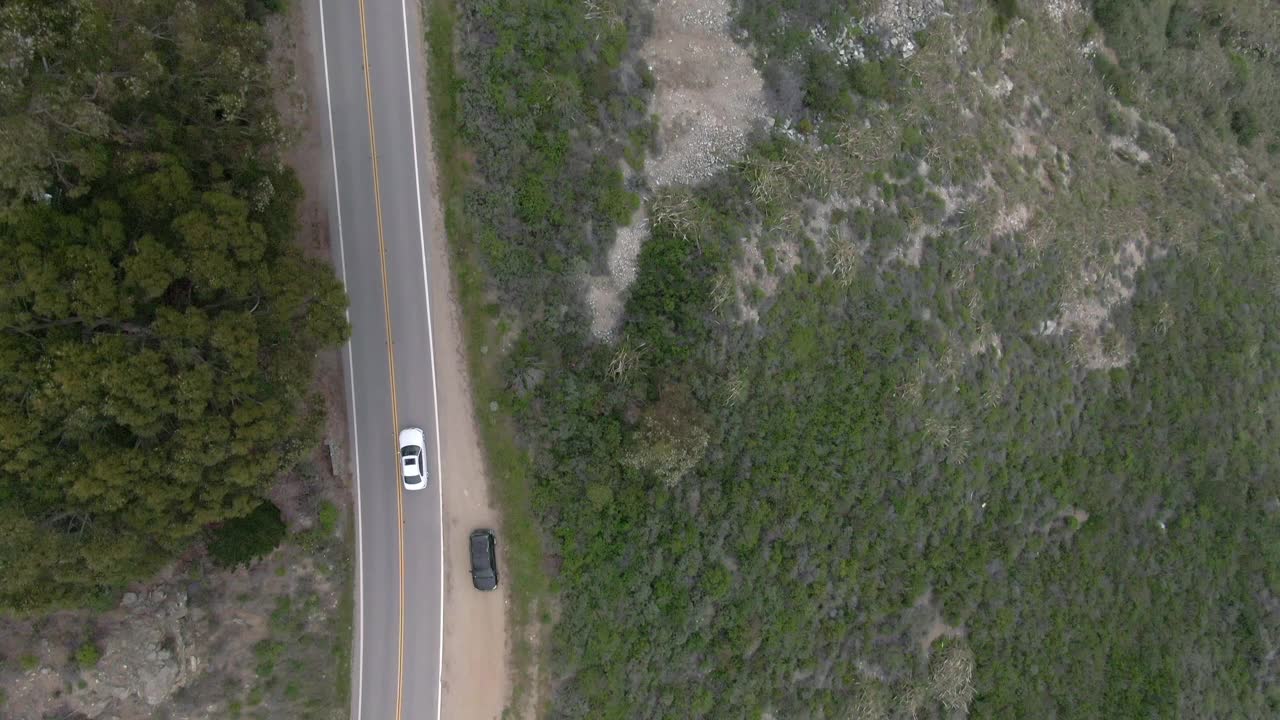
669, 296
260, 10
913, 142
672, 438
887, 232
267, 652
614, 201
856, 405
599, 495
1244, 125
88, 655
1183, 28
328, 517
826, 91
1006, 12
933, 207
869, 80
242, 540
1118, 80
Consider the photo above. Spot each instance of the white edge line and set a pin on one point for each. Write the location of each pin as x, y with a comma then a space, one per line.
431, 347
358, 667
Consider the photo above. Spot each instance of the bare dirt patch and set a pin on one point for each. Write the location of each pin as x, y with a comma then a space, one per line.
708, 92
708, 95
605, 292
1105, 284
604, 298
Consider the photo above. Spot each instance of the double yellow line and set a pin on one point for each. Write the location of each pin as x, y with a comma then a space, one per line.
391, 357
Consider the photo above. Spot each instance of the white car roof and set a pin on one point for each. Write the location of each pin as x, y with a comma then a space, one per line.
411, 467
412, 436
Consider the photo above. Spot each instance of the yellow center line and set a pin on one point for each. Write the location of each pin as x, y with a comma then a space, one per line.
391, 358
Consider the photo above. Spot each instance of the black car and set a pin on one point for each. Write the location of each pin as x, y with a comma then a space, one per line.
484, 560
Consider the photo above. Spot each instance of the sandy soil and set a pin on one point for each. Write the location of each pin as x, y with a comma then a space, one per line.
476, 680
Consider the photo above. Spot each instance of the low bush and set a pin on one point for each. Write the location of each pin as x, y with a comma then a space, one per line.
87, 655
1006, 12
328, 517
869, 79
243, 540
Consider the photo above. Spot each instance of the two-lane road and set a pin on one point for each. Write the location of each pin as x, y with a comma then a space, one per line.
372, 83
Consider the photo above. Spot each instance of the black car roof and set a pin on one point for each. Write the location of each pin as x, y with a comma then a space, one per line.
480, 551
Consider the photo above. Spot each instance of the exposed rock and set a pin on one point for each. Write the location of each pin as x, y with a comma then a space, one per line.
149, 656
899, 20
1127, 149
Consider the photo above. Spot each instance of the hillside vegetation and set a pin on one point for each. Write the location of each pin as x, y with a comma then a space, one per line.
956, 395
157, 325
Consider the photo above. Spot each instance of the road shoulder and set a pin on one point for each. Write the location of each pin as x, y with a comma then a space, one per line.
475, 682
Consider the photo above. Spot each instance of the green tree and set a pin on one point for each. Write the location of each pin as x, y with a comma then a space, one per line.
242, 540
157, 325
51, 126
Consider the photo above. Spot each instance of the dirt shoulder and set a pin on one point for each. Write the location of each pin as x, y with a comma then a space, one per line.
475, 677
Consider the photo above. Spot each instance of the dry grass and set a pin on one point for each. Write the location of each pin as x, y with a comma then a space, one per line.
951, 677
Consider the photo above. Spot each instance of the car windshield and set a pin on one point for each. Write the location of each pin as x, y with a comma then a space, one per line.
408, 452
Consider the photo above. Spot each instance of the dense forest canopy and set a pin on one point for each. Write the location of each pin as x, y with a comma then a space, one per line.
989, 428
157, 326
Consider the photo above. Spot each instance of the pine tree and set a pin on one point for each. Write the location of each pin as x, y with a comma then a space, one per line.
157, 326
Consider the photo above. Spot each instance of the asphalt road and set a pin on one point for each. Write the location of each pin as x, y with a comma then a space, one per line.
370, 54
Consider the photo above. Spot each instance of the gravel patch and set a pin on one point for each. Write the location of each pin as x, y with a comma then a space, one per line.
626, 250
899, 20
708, 92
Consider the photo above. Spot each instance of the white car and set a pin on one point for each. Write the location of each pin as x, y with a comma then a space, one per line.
413, 459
